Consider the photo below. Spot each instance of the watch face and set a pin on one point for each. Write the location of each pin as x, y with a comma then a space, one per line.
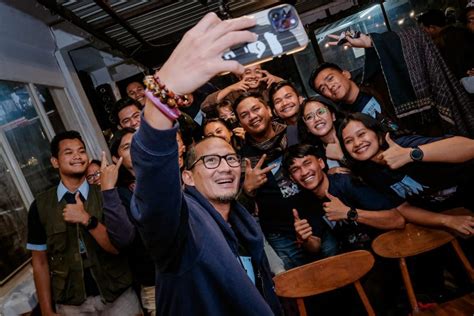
416, 154
352, 214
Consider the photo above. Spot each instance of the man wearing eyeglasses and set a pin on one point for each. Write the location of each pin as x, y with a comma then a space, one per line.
207, 247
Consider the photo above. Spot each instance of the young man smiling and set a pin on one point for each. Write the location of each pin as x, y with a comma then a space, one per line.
354, 211
126, 113
74, 263
286, 101
336, 84
275, 194
254, 79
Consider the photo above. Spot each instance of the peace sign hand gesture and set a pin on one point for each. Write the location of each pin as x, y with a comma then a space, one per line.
109, 173
255, 177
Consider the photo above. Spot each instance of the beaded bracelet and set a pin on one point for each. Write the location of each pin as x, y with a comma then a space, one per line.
171, 113
154, 84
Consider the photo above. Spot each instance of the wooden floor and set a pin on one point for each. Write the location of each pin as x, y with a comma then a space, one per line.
458, 307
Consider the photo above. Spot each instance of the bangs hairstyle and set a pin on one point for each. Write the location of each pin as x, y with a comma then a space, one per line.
320, 68
298, 151
114, 143
369, 122
277, 86
304, 134
247, 95
54, 146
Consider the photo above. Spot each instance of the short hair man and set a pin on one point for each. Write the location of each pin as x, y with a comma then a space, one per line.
126, 113
285, 101
336, 84
275, 194
93, 172
136, 91
254, 80
73, 258
354, 210
432, 22
207, 247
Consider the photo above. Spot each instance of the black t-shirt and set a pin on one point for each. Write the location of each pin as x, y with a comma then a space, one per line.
369, 105
429, 185
353, 193
36, 234
277, 199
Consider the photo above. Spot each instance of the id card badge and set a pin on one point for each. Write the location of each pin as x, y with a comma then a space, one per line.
331, 224
248, 267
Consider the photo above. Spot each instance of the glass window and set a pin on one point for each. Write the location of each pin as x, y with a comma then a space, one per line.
26, 136
13, 224
306, 61
370, 20
400, 14
49, 105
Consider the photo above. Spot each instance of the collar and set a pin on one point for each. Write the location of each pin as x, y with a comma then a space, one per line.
83, 188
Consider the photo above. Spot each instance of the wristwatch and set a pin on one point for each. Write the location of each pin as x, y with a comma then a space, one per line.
416, 154
92, 223
352, 214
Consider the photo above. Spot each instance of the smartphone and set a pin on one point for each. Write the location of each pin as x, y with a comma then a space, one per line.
279, 31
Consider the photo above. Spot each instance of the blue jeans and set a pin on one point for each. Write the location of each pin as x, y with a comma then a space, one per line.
329, 244
287, 249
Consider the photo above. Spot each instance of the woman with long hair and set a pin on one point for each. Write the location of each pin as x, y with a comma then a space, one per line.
429, 172
317, 125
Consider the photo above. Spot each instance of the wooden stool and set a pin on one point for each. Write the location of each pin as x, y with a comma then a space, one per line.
414, 240
325, 275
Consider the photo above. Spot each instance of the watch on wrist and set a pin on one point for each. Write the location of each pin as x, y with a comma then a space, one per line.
352, 214
416, 154
92, 223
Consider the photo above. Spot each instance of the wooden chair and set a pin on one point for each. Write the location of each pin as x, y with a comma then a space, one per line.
414, 240
325, 275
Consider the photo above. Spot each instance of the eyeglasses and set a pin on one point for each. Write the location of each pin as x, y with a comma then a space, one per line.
214, 161
93, 175
312, 115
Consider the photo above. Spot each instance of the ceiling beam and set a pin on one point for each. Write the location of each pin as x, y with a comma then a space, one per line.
106, 7
130, 14
74, 19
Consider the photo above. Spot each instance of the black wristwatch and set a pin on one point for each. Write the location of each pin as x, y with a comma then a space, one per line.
416, 154
352, 214
92, 223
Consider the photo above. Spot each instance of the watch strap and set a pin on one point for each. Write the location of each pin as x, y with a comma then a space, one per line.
92, 223
352, 214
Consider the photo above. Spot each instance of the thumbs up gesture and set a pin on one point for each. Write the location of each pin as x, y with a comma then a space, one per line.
335, 209
302, 228
75, 213
395, 156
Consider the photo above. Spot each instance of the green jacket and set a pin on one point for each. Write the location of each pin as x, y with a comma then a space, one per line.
111, 272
